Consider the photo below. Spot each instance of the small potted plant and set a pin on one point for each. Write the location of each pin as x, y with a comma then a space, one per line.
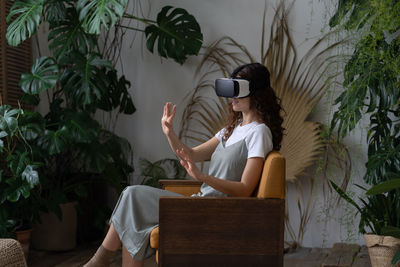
19, 205
380, 213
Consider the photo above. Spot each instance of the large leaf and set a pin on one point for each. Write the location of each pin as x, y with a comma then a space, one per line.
345, 196
85, 81
177, 32
384, 187
69, 35
56, 10
95, 13
80, 127
29, 15
8, 121
117, 94
32, 125
53, 141
30, 175
43, 76
17, 162
16, 190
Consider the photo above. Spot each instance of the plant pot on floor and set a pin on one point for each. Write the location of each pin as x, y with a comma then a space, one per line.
24, 237
55, 235
381, 249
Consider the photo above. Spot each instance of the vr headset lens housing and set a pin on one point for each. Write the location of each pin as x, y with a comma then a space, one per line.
234, 88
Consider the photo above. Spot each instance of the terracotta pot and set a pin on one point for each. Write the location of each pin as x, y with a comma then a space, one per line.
381, 249
53, 234
24, 237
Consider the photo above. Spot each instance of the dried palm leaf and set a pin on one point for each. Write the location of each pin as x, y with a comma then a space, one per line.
299, 84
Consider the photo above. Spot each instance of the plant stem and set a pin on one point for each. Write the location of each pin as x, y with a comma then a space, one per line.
131, 28
146, 21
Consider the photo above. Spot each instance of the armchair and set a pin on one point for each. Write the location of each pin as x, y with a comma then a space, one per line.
223, 231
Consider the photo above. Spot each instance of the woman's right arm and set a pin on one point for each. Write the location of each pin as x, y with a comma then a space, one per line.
199, 153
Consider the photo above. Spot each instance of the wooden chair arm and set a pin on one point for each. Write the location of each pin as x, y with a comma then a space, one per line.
224, 231
183, 187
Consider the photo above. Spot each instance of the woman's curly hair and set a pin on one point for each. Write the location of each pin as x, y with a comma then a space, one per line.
262, 98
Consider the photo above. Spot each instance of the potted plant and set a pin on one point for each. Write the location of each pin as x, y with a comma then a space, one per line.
80, 80
380, 213
372, 91
19, 202
386, 187
167, 168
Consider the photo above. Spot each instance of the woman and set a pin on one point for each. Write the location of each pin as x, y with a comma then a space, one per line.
237, 154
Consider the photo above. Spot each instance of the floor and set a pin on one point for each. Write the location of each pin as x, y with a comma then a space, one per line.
340, 254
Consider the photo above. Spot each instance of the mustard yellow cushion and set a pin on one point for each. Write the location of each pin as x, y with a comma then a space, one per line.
154, 237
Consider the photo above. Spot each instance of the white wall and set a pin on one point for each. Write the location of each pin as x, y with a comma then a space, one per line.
155, 81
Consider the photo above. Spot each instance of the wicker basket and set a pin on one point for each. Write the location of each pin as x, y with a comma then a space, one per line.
11, 254
381, 249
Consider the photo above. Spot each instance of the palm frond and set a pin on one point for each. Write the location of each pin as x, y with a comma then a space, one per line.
300, 84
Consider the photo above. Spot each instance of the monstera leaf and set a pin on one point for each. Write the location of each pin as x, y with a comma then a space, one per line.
56, 10
44, 75
95, 13
8, 121
177, 32
53, 141
24, 25
80, 127
117, 95
85, 81
69, 35
30, 175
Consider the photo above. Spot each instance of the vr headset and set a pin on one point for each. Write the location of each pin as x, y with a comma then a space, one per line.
234, 88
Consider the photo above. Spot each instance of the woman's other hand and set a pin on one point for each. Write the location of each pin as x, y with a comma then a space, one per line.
167, 118
189, 165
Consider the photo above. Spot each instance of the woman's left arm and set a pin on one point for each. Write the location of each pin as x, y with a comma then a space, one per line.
244, 188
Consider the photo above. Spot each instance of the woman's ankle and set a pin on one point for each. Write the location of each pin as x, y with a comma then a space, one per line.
101, 258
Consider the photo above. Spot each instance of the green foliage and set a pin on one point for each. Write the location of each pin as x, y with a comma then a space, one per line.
161, 169
29, 16
372, 81
117, 95
86, 72
379, 212
177, 32
43, 76
396, 258
18, 169
385, 186
97, 13
68, 35
73, 149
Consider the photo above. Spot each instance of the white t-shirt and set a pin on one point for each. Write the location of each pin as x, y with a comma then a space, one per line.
257, 136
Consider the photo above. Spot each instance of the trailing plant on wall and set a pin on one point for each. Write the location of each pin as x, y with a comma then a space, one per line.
79, 80
371, 81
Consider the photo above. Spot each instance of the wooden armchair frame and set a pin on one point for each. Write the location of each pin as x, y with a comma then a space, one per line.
223, 231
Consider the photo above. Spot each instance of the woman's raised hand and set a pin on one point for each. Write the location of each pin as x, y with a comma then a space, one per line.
167, 118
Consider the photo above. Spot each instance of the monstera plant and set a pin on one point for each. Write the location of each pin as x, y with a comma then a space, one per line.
79, 79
